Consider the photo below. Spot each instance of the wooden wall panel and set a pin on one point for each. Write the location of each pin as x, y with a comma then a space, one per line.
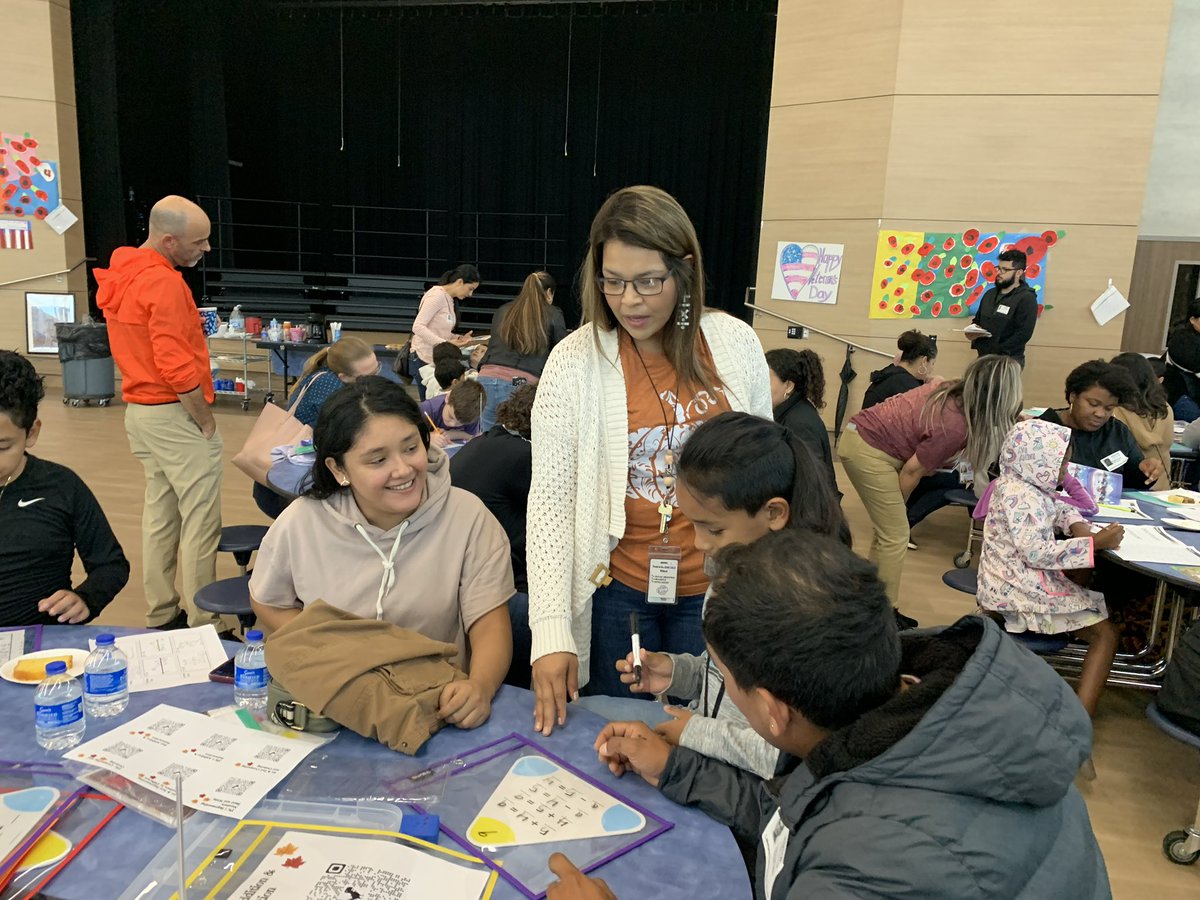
827, 160
1147, 319
39, 97
837, 51
1030, 47
1068, 159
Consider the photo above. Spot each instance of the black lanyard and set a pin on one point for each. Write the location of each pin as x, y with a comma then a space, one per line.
709, 667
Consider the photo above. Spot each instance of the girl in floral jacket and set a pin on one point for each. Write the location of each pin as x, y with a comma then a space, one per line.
1023, 572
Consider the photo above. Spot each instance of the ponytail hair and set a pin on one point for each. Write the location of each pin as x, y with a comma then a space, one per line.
803, 369
915, 344
745, 461
338, 357
525, 327
466, 273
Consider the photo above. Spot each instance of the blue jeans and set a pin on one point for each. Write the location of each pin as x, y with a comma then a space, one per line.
498, 390
520, 673
930, 495
669, 627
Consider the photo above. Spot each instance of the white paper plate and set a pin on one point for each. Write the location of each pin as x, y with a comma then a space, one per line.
75, 668
1185, 524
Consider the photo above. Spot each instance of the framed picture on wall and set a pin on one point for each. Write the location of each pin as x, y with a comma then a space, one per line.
42, 313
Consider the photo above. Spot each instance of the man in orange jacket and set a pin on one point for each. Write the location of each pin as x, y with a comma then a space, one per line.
158, 343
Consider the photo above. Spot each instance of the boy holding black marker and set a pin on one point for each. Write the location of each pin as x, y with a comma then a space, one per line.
934, 764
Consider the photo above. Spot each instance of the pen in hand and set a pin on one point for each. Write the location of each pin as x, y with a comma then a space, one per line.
637, 647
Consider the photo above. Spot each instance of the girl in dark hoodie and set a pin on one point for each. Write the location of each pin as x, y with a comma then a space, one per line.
912, 368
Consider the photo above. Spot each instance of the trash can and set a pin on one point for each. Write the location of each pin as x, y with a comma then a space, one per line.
87, 363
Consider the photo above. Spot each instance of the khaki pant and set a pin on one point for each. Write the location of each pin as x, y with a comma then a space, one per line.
181, 515
876, 477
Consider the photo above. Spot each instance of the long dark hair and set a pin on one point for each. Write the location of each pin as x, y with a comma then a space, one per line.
650, 218
344, 416
467, 273
1150, 400
745, 461
803, 369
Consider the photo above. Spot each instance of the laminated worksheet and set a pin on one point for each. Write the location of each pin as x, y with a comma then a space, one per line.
307, 865
163, 659
226, 767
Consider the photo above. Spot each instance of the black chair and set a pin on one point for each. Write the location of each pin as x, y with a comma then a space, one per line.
241, 541
1181, 847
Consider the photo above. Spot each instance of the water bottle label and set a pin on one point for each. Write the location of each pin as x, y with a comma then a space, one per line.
59, 714
249, 679
103, 683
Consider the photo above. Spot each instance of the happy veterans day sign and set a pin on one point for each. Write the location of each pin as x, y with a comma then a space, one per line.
807, 272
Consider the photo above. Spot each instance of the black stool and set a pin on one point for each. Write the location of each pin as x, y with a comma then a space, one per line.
227, 597
241, 541
966, 580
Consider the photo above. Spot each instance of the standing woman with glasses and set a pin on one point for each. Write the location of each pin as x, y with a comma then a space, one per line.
437, 316
523, 334
617, 400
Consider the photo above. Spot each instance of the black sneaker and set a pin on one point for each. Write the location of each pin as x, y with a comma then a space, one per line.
904, 622
180, 621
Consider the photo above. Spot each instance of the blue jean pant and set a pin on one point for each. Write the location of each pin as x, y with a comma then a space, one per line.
498, 390
669, 627
520, 673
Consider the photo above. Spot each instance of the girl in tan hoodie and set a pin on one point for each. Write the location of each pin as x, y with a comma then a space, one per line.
1148, 415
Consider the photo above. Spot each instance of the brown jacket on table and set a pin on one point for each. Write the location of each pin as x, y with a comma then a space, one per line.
1154, 439
377, 679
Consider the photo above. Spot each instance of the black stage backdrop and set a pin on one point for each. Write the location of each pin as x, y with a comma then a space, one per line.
532, 108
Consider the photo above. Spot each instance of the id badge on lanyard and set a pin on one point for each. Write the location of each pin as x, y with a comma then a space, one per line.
663, 580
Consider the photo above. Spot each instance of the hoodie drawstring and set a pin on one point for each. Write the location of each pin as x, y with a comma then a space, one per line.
388, 580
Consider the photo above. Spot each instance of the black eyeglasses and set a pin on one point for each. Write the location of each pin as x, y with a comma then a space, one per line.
1005, 271
648, 286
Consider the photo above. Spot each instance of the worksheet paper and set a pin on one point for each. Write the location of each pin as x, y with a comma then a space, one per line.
1149, 544
307, 866
164, 659
227, 768
12, 644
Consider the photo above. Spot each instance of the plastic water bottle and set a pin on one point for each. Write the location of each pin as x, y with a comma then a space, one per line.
237, 322
250, 673
58, 709
105, 679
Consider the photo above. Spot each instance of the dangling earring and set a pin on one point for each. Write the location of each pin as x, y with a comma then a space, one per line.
684, 312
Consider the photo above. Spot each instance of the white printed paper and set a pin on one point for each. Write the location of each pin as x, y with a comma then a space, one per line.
1150, 544
12, 645
539, 801
307, 866
226, 768
1109, 305
61, 219
164, 659
807, 272
974, 330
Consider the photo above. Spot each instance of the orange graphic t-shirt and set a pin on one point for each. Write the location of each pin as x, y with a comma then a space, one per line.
649, 417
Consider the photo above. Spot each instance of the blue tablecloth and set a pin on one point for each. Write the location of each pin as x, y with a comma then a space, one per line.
697, 857
1157, 512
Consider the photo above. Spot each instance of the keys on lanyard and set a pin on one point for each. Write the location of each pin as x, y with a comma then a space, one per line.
665, 511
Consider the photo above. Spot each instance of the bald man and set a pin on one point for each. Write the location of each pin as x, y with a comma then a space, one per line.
166, 382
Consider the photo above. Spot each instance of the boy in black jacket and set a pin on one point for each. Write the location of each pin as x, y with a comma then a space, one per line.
46, 514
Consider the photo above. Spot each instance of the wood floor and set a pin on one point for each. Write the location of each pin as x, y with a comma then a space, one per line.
1147, 785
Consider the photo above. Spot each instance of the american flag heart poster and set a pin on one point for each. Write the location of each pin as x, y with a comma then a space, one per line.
15, 234
807, 272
